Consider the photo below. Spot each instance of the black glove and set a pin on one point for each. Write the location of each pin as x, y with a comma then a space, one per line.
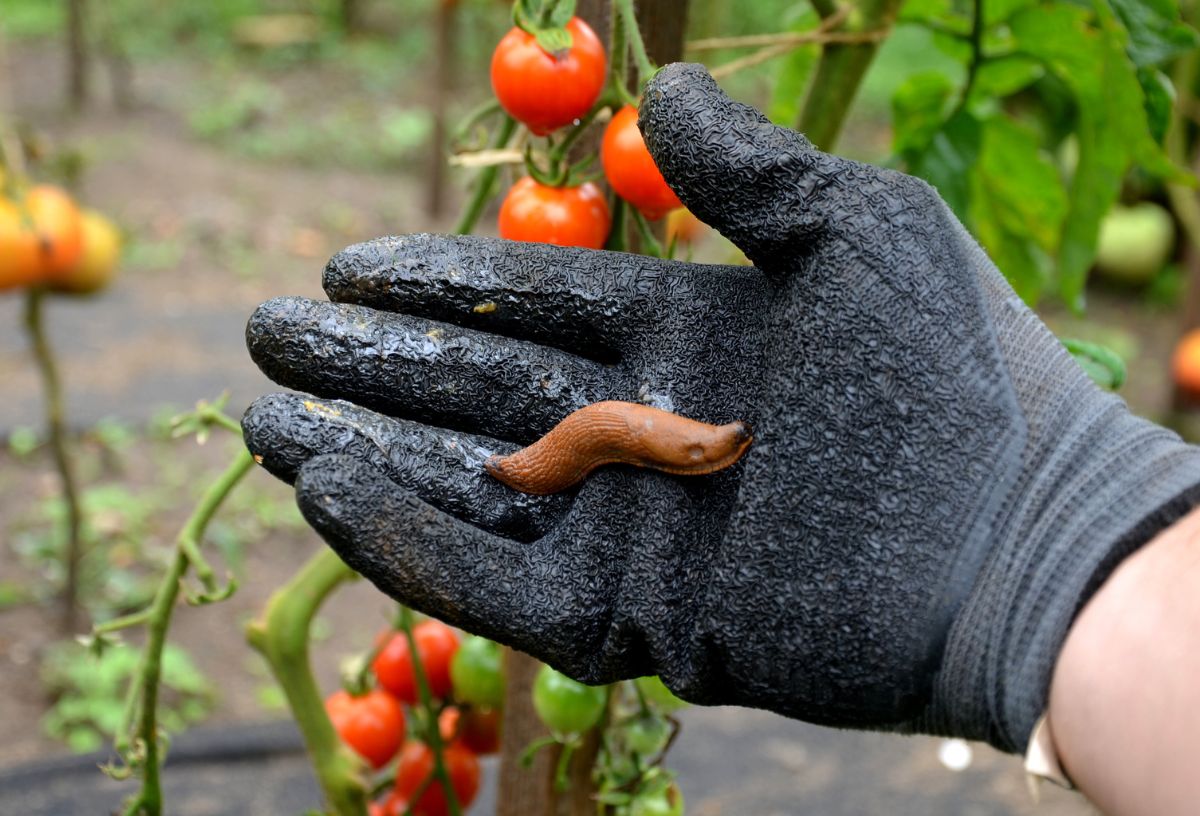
934, 490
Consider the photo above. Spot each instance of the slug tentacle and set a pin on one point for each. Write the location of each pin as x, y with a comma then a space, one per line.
626, 433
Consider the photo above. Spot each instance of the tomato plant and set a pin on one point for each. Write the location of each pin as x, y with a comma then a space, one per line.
372, 724
630, 169
567, 706
414, 779
393, 665
545, 91
477, 673
567, 216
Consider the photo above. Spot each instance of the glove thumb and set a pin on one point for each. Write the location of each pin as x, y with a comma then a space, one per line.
757, 183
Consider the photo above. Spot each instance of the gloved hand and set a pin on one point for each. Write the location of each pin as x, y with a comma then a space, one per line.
934, 490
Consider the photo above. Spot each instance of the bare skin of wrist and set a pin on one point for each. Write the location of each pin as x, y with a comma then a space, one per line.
1125, 699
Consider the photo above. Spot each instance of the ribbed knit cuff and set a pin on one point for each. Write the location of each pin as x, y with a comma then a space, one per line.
1102, 494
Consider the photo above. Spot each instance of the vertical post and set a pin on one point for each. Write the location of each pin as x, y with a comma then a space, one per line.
664, 25
523, 791
77, 54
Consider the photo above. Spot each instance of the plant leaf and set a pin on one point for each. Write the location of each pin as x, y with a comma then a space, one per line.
1101, 363
1156, 33
1017, 204
950, 160
1087, 53
918, 109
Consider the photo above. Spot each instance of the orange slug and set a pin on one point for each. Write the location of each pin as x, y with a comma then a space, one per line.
624, 433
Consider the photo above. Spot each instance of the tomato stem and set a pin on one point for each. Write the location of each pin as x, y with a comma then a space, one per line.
433, 737
650, 244
480, 114
616, 235
60, 446
143, 691
641, 60
486, 182
282, 636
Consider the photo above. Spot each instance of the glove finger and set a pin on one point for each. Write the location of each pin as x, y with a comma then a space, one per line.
571, 298
757, 183
421, 370
539, 597
441, 467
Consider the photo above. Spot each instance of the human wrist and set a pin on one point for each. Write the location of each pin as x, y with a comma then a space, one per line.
1122, 699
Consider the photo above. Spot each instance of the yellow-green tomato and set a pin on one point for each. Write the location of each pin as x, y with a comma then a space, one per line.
565, 705
477, 673
1135, 242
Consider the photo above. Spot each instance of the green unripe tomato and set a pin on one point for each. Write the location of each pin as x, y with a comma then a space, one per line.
646, 736
1135, 242
477, 673
668, 802
564, 705
658, 695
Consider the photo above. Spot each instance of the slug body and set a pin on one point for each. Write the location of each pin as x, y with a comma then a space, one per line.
620, 433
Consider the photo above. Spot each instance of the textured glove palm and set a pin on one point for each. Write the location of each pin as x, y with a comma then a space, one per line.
934, 490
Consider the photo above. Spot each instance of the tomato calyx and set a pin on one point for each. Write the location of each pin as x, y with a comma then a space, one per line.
546, 21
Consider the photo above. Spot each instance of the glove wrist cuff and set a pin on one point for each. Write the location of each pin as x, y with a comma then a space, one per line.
1109, 490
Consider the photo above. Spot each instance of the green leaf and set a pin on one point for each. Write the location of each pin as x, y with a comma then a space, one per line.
1101, 363
918, 108
560, 13
924, 11
997, 11
546, 20
1160, 99
1156, 33
950, 160
1005, 75
553, 40
1017, 204
1087, 53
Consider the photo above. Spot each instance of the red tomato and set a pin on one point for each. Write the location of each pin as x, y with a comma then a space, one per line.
475, 728
631, 170
41, 237
416, 765
566, 216
373, 724
436, 644
480, 730
546, 91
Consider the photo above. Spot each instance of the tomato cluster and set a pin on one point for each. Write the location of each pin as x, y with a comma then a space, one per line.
546, 91
47, 240
466, 683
